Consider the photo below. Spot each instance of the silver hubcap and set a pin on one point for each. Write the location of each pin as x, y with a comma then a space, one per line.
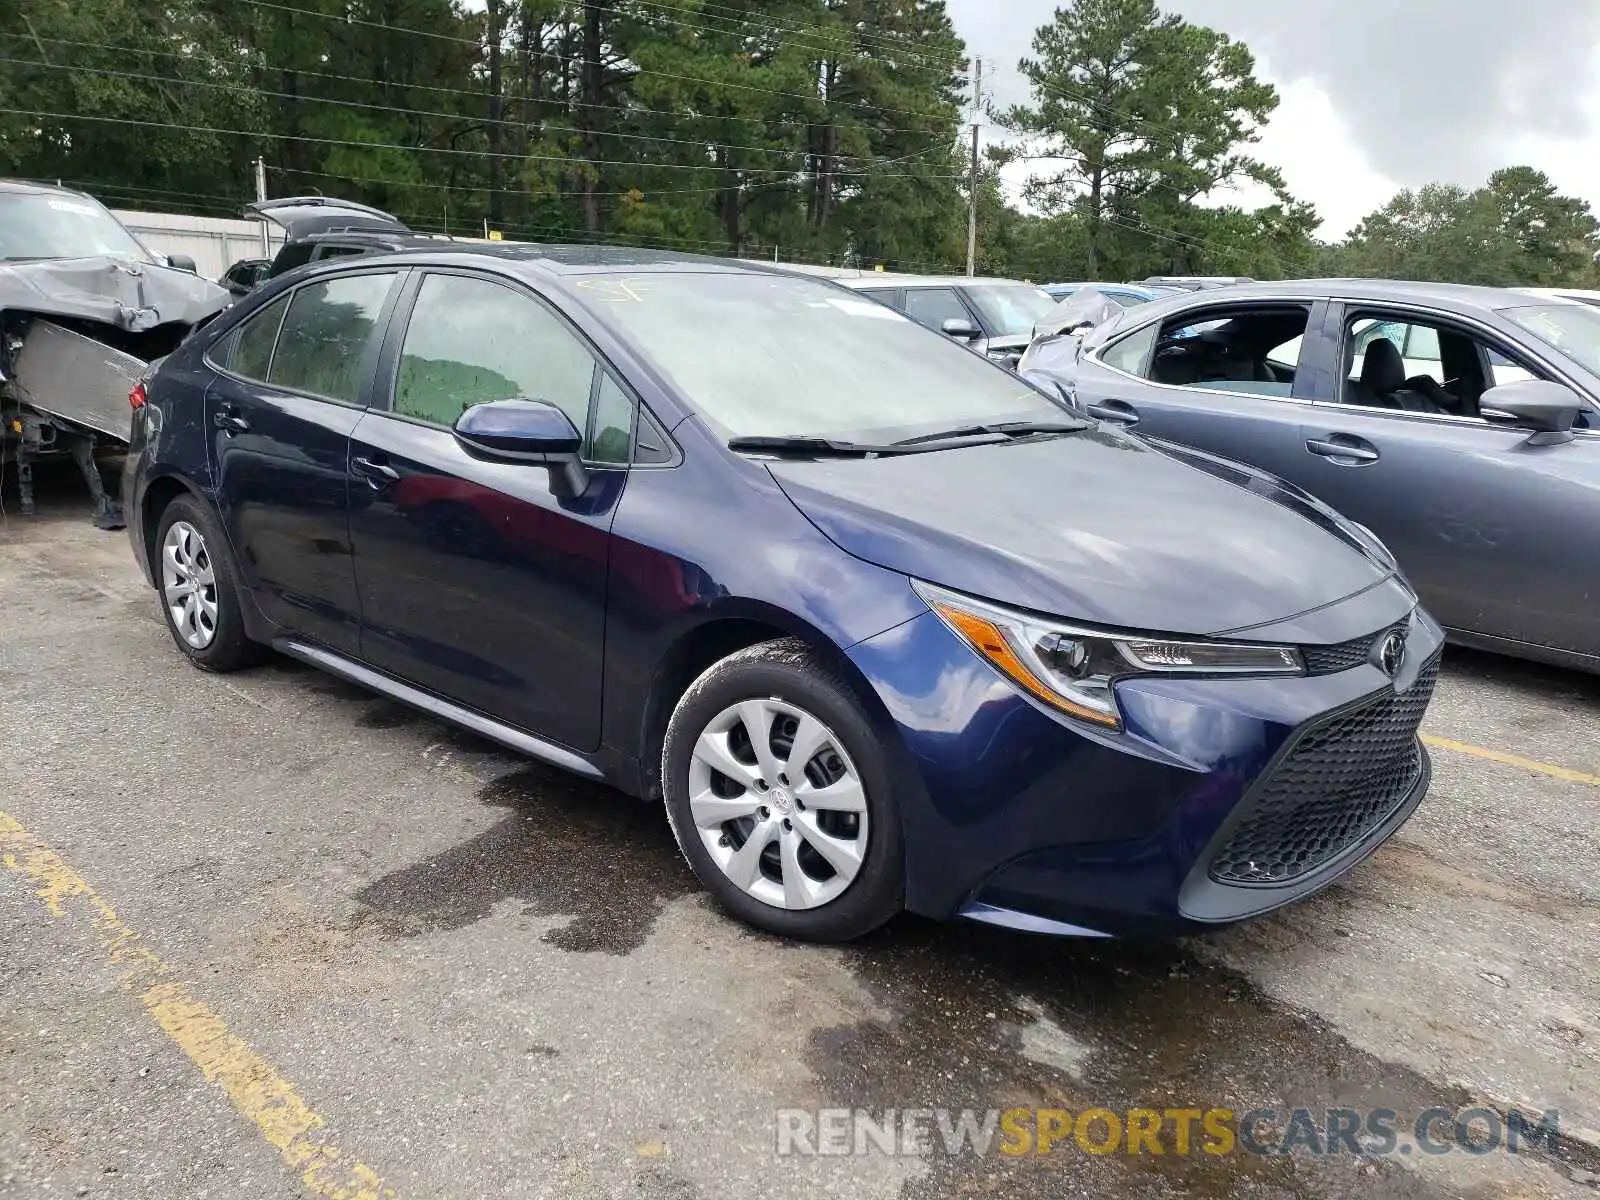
188, 585
778, 804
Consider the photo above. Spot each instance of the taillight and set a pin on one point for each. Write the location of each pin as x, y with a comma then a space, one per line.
137, 397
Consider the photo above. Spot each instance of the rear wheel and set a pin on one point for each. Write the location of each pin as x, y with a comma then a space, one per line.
779, 795
199, 590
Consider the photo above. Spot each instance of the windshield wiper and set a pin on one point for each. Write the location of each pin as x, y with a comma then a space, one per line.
1008, 429
810, 447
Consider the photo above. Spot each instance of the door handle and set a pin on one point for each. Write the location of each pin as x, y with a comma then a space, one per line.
376, 472
1355, 451
1116, 411
230, 422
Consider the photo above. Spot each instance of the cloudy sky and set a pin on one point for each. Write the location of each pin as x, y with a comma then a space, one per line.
1377, 95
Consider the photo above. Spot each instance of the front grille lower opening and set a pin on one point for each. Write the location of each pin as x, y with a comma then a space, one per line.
1339, 782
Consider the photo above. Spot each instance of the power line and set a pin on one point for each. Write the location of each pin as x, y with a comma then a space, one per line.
639, 70
628, 109
291, 137
1140, 225
505, 191
246, 88
884, 41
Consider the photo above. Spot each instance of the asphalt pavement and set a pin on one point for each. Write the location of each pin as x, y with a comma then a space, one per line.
269, 935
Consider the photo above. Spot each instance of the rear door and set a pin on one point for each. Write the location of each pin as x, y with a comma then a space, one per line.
477, 581
1223, 378
1499, 534
291, 383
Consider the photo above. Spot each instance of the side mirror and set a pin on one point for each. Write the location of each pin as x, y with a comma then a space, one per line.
532, 431
182, 262
1548, 410
961, 329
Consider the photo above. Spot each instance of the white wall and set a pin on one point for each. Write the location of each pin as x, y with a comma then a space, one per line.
215, 243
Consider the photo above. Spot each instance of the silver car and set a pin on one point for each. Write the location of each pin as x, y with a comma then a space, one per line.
1460, 424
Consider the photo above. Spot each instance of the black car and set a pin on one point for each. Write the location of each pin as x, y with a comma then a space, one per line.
317, 228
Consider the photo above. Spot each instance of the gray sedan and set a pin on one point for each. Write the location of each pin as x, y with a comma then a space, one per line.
1460, 424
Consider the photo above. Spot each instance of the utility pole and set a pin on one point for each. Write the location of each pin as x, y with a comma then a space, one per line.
972, 187
261, 194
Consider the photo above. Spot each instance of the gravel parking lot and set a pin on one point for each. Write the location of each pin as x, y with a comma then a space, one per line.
335, 949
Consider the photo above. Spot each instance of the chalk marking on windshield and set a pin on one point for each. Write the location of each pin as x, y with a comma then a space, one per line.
617, 291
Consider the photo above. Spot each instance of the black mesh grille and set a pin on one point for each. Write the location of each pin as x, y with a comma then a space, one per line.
1340, 781
1329, 660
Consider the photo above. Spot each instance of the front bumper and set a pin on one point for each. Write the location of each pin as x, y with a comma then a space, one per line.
1220, 799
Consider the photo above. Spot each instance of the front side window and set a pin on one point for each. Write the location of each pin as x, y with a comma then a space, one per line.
758, 354
326, 333
473, 341
1418, 346
934, 306
1422, 366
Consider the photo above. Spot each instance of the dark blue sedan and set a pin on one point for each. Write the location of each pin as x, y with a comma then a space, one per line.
884, 626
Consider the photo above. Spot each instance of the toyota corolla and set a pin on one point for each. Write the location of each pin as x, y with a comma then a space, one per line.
882, 625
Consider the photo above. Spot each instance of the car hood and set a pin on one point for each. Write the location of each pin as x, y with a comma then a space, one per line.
128, 295
1094, 526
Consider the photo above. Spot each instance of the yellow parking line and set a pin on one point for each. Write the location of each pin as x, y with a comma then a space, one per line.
259, 1092
1514, 760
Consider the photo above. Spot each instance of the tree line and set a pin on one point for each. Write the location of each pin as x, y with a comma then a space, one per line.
807, 130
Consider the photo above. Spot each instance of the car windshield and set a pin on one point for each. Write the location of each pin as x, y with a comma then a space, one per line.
781, 356
1011, 309
57, 225
1573, 329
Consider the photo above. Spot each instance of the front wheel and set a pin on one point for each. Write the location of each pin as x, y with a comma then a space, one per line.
778, 792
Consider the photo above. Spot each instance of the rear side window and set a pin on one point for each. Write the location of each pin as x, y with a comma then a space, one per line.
326, 333
472, 341
249, 349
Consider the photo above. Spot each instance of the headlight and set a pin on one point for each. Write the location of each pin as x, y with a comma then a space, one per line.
1072, 668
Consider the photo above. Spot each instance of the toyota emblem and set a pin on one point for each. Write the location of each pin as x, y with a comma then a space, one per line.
1392, 652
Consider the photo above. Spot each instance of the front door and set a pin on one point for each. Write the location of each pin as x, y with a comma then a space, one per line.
478, 580
290, 387
1492, 527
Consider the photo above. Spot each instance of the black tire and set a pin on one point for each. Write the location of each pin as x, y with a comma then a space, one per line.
229, 649
790, 672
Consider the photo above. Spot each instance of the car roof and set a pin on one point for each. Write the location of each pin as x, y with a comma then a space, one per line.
28, 187
1447, 295
1560, 293
874, 279
548, 259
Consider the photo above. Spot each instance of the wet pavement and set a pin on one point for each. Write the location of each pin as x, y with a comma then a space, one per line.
485, 977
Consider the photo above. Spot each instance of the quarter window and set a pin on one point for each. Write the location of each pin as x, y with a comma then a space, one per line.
326, 333
1131, 353
249, 350
472, 341
612, 438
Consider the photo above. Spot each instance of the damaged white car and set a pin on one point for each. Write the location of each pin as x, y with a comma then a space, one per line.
84, 308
